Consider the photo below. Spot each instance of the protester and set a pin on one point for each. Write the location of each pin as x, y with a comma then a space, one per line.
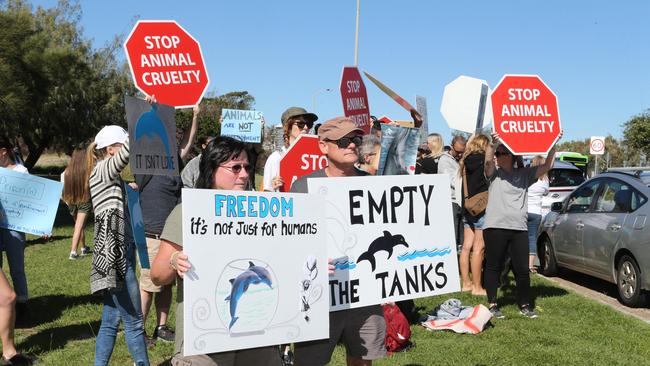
13, 242
448, 164
190, 172
296, 121
369, 154
536, 191
113, 269
474, 182
505, 228
429, 162
76, 194
224, 165
361, 330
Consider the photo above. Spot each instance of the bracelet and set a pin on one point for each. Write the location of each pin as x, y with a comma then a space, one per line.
172, 260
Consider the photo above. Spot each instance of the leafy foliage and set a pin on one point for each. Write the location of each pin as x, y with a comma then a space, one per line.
637, 131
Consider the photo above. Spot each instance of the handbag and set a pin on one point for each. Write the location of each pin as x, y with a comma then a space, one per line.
476, 204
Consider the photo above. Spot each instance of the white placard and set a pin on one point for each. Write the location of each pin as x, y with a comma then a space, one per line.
259, 272
461, 104
391, 238
597, 145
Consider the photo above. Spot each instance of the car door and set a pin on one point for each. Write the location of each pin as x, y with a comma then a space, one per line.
603, 226
569, 225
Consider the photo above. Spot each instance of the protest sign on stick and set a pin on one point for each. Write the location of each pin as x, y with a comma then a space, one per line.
391, 238
259, 270
28, 203
466, 104
396, 97
355, 98
242, 125
302, 158
152, 137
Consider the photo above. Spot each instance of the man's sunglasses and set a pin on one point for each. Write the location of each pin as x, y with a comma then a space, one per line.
501, 153
344, 142
302, 123
236, 169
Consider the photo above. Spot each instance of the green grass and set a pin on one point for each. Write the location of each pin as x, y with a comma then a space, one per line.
570, 330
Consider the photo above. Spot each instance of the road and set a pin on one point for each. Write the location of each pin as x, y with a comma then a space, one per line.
599, 290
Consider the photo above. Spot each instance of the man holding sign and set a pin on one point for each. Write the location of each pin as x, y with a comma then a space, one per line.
362, 330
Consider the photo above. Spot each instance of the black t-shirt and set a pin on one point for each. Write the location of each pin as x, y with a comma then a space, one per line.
476, 182
427, 165
158, 198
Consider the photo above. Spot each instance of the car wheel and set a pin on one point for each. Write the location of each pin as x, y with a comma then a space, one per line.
628, 282
546, 256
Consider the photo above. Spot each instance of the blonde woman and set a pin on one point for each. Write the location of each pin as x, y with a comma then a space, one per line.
76, 194
471, 169
429, 163
538, 190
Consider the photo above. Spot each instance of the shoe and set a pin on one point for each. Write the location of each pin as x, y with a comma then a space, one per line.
73, 256
22, 315
528, 312
20, 359
496, 312
149, 341
86, 251
287, 359
163, 333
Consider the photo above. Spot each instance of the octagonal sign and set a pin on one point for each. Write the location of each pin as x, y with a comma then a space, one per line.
461, 104
166, 61
355, 98
526, 114
302, 158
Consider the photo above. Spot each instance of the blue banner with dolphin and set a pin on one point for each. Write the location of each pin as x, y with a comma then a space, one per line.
137, 225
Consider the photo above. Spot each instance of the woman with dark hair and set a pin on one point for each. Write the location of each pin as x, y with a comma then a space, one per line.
224, 165
76, 194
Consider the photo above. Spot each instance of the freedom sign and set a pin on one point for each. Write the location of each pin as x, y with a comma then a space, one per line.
259, 270
28, 203
166, 61
242, 125
391, 238
355, 98
526, 114
302, 158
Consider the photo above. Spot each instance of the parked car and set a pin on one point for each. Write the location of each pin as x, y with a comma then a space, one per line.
563, 178
602, 229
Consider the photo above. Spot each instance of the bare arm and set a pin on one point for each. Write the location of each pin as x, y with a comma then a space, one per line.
162, 272
548, 164
188, 139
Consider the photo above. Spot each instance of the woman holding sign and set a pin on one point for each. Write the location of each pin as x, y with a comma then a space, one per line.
224, 165
505, 228
113, 271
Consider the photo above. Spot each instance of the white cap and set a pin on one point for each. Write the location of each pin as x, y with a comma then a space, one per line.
110, 135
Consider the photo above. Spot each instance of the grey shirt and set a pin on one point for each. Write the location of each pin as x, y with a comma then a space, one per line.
507, 206
190, 173
448, 165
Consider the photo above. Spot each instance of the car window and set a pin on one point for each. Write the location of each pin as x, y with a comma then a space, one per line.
565, 178
637, 200
616, 196
580, 200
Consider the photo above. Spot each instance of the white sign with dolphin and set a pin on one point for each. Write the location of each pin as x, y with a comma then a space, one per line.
391, 238
259, 270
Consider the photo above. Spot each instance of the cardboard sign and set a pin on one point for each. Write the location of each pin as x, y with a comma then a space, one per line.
355, 98
259, 270
242, 125
466, 104
152, 137
302, 158
396, 97
399, 149
137, 225
391, 238
597, 145
166, 61
526, 114
28, 203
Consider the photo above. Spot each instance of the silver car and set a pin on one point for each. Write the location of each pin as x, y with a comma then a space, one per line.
602, 229
563, 178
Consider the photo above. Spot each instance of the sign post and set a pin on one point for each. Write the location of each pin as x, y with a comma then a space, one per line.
465, 104
597, 147
166, 61
355, 98
526, 114
302, 158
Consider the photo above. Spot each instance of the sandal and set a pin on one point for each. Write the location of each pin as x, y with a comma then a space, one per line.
20, 359
532, 270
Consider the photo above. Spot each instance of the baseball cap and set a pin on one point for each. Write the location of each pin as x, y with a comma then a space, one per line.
110, 135
296, 112
336, 128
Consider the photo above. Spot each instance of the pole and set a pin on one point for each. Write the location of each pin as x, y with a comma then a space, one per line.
596, 166
356, 38
481, 109
313, 98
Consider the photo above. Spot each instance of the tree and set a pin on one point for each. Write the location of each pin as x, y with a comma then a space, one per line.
637, 132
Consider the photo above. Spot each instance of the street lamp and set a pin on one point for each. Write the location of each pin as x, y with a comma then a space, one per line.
313, 98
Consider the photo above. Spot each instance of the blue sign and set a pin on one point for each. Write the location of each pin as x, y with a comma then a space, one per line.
137, 225
28, 203
242, 125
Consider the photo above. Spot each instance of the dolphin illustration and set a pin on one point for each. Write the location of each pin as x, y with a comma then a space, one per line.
150, 125
386, 242
240, 285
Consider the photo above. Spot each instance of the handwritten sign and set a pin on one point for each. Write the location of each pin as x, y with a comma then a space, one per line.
391, 238
259, 270
242, 125
28, 203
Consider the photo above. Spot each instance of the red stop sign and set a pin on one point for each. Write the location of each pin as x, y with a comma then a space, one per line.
302, 158
355, 98
526, 114
166, 61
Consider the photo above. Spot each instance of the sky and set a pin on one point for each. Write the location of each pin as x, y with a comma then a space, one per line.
592, 54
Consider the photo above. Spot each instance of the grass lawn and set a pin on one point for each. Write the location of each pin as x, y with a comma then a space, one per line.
570, 330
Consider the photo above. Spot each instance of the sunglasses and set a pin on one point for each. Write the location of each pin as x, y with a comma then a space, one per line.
501, 153
302, 123
236, 169
344, 142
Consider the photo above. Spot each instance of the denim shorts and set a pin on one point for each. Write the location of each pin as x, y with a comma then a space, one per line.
473, 222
